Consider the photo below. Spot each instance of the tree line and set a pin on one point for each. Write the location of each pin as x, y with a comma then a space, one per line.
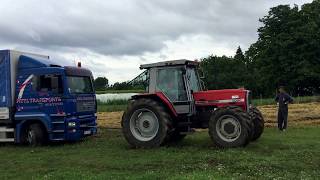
102, 84
286, 53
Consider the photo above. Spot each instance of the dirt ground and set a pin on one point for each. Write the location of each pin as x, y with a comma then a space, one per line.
299, 114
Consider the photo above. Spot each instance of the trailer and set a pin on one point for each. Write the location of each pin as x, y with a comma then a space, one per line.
42, 101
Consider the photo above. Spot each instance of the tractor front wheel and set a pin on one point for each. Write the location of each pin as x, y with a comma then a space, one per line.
145, 124
258, 121
229, 127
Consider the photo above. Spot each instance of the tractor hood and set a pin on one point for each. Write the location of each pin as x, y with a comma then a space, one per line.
236, 97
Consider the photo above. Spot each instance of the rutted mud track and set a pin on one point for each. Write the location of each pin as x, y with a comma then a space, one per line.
299, 114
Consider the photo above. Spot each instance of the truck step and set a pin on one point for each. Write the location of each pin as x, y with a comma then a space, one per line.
58, 139
5, 129
58, 122
7, 140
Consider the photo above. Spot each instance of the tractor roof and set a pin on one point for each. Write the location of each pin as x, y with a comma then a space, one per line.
170, 63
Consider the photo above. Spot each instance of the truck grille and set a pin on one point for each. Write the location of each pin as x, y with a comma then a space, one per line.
84, 106
87, 123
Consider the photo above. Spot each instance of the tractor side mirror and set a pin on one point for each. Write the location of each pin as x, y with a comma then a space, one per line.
201, 74
203, 85
184, 71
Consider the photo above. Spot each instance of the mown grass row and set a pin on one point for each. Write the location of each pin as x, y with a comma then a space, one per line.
121, 104
270, 101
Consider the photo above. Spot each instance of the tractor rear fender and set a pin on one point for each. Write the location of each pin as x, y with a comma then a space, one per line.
161, 98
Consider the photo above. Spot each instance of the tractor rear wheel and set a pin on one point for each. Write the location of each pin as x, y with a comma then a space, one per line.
230, 127
258, 121
145, 123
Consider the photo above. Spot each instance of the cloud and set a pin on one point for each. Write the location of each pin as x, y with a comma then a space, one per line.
108, 34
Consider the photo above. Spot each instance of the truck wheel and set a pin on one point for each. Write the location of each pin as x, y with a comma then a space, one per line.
229, 127
258, 121
35, 135
145, 124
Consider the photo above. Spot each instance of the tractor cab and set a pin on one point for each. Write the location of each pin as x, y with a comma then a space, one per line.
175, 103
176, 81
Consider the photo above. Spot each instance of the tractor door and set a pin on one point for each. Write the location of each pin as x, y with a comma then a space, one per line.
172, 81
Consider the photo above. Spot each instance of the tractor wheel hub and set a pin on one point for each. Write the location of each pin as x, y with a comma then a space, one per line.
144, 124
228, 128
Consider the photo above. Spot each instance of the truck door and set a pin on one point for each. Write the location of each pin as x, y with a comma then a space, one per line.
44, 94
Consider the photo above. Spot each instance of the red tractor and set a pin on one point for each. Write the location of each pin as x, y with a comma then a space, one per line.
175, 104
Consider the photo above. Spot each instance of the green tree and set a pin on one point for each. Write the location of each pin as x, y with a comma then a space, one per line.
239, 55
101, 83
222, 72
287, 50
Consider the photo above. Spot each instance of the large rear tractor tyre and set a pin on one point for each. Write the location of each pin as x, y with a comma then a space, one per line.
230, 127
145, 123
258, 121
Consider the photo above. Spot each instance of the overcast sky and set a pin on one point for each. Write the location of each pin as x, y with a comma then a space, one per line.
112, 38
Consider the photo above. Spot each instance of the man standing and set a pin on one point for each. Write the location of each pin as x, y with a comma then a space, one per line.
283, 100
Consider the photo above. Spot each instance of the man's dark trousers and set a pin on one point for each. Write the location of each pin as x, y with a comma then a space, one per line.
282, 117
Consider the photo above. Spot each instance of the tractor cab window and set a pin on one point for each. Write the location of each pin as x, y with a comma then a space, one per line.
193, 79
170, 81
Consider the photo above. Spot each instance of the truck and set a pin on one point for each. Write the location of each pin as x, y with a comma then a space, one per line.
176, 102
42, 101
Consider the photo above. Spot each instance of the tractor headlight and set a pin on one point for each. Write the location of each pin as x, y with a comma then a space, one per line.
249, 101
71, 124
235, 97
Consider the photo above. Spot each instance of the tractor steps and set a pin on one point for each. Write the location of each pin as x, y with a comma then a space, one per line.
190, 131
184, 124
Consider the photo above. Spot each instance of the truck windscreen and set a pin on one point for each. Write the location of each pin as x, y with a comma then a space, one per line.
79, 85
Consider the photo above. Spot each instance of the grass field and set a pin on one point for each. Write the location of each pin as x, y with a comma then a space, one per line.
294, 154
112, 106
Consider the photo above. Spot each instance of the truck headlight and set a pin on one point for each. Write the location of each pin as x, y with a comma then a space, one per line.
72, 124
